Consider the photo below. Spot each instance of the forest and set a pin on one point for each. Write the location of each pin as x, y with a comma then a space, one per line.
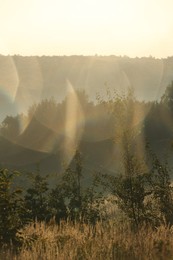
108, 180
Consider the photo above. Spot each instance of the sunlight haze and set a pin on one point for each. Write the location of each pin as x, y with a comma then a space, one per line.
85, 27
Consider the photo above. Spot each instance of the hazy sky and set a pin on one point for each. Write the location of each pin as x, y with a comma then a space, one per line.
88, 27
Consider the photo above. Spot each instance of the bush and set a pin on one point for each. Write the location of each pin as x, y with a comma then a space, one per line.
11, 207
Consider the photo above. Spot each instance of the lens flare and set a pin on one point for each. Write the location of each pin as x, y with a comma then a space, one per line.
59, 128
9, 82
74, 123
30, 87
9, 79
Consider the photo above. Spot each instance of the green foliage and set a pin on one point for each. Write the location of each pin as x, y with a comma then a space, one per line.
130, 194
132, 191
10, 127
160, 185
36, 201
143, 197
57, 203
70, 199
136, 183
11, 207
91, 201
141, 189
167, 98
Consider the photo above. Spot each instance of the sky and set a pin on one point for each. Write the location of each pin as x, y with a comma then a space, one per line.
87, 27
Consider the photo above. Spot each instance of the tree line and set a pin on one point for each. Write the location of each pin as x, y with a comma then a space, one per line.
141, 188
144, 197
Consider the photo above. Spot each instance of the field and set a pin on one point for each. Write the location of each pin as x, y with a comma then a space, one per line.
105, 240
68, 215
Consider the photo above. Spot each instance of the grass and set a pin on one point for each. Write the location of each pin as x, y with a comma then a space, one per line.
105, 240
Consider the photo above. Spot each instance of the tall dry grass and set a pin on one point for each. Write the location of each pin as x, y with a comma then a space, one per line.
105, 240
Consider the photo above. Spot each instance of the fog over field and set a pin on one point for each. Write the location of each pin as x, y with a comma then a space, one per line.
67, 73
26, 80
86, 129
51, 106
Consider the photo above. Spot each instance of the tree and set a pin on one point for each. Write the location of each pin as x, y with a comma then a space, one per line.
71, 199
167, 98
130, 185
71, 186
36, 198
162, 191
11, 207
57, 203
10, 127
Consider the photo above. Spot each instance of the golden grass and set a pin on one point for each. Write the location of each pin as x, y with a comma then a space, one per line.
106, 240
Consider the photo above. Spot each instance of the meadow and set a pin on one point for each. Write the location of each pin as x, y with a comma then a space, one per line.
93, 215
110, 240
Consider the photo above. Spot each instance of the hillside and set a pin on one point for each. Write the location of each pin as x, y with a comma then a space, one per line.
24, 80
44, 141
